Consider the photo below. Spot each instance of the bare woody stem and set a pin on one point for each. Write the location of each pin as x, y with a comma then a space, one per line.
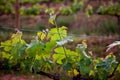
17, 21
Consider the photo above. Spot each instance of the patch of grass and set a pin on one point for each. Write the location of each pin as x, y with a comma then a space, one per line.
65, 20
41, 27
107, 28
97, 50
81, 31
38, 27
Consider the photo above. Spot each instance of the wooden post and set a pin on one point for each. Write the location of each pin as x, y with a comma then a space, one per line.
17, 21
118, 26
65, 3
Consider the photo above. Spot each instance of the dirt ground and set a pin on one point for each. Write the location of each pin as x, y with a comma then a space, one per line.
23, 77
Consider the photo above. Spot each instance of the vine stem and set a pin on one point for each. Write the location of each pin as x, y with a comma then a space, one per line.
33, 61
60, 38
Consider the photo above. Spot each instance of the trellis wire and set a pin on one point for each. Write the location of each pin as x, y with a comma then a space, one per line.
74, 35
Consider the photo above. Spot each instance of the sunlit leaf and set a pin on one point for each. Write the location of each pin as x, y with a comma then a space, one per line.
116, 43
41, 35
75, 72
50, 11
81, 50
35, 47
84, 43
52, 19
89, 10
58, 58
5, 55
55, 35
18, 50
64, 41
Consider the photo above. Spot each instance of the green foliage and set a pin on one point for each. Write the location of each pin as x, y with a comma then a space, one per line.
104, 66
34, 10
54, 34
63, 20
33, 1
112, 9
75, 7
107, 28
52, 19
6, 7
46, 52
39, 49
66, 10
24, 1
89, 10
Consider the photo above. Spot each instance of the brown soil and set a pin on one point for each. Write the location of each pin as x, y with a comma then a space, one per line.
22, 77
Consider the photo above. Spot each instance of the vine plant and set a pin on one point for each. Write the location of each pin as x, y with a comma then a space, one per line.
47, 55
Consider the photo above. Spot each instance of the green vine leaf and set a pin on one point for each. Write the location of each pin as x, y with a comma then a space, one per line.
18, 50
6, 45
5, 55
67, 66
89, 10
54, 34
41, 35
52, 19
35, 48
36, 65
84, 69
58, 58
107, 63
49, 46
37, 55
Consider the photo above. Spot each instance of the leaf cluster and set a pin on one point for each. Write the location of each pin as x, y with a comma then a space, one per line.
111, 9
47, 53
75, 7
